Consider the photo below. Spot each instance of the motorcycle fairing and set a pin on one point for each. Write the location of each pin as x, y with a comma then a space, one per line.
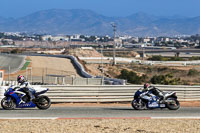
26, 105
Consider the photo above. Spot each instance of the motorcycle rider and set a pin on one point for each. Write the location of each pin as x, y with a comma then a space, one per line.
25, 87
148, 90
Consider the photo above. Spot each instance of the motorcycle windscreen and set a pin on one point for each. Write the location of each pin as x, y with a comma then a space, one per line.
39, 89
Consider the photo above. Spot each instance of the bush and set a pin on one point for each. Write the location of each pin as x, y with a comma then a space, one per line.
165, 79
176, 59
194, 58
160, 58
131, 77
156, 58
15, 51
192, 72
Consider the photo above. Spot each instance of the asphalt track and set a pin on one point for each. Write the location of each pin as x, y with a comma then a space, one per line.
98, 112
15, 62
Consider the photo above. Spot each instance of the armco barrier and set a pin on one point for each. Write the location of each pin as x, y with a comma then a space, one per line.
112, 93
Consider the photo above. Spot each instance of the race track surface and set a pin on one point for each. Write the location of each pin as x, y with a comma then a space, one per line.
99, 112
15, 62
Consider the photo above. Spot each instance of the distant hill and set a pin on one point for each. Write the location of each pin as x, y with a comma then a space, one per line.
78, 21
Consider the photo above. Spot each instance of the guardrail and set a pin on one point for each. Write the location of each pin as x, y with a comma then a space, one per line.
115, 93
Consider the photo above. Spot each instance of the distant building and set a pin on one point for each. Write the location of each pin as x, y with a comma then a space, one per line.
146, 40
130, 45
55, 38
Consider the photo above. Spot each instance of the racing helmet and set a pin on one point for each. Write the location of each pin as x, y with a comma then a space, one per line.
20, 79
146, 86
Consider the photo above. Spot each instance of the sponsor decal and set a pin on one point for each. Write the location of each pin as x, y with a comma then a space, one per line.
25, 105
154, 104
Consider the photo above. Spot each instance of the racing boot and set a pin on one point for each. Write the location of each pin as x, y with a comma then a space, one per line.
31, 96
161, 97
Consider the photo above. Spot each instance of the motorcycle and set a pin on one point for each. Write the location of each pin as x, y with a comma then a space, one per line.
14, 98
169, 101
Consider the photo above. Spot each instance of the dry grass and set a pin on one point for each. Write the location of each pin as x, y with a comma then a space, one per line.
150, 71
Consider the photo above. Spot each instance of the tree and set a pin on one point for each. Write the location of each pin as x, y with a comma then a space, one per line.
49, 39
40, 38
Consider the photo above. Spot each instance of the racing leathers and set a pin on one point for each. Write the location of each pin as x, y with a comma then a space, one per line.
152, 91
26, 87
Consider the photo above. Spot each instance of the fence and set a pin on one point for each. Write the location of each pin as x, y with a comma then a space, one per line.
47, 76
105, 93
58, 81
44, 75
120, 60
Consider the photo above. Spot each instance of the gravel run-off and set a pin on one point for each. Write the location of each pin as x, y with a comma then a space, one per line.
100, 126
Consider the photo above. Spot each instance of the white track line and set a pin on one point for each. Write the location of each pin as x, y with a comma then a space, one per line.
175, 117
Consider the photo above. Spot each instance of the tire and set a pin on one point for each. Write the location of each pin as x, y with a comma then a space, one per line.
43, 102
7, 105
138, 106
173, 106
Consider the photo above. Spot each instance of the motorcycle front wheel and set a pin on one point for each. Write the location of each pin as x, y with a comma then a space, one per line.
7, 104
138, 105
173, 104
43, 102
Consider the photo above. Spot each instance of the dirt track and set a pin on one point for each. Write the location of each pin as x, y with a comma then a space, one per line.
52, 64
100, 126
49, 65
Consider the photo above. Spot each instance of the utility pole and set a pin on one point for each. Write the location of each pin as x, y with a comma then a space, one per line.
102, 70
114, 45
9, 73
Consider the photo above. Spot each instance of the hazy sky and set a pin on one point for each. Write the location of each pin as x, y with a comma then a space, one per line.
19, 8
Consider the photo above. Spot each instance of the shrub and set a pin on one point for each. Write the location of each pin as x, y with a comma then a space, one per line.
176, 59
131, 77
15, 51
161, 58
192, 72
156, 58
165, 79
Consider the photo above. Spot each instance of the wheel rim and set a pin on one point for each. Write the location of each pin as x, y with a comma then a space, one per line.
139, 105
7, 104
173, 104
43, 102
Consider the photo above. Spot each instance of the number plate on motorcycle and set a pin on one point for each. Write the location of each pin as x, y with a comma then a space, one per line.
162, 105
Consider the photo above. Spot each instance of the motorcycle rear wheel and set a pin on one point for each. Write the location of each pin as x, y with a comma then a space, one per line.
43, 102
138, 106
173, 105
8, 105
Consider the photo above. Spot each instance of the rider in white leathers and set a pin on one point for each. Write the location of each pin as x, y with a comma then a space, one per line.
25, 86
154, 92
